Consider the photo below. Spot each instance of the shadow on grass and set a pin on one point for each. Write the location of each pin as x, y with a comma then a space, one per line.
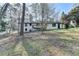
32, 48
67, 45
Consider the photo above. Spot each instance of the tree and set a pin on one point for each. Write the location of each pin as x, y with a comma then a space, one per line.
3, 26
16, 15
2, 15
3, 10
12, 15
65, 20
63, 16
73, 15
35, 9
46, 13
22, 20
30, 17
42, 15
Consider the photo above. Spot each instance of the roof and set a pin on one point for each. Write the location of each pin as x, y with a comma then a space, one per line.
44, 22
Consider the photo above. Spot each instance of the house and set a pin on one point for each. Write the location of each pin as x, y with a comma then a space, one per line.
36, 26
73, 23
31, 26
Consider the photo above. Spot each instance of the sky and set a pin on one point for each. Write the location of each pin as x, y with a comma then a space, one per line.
63, 7
60, 7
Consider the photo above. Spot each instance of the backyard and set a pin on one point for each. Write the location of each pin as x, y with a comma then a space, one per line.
63, 42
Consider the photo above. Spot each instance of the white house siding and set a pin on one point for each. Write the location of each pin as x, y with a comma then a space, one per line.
49, 26
56, 27
61, 26
33, 28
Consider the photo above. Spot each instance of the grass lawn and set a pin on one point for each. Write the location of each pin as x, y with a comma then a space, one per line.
52, 43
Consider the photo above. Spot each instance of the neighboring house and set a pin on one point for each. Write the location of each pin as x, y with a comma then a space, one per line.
73, 23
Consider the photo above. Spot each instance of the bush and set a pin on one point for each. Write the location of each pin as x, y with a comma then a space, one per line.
71, 26
66, 26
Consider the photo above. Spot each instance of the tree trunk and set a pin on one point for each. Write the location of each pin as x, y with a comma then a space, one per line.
42, 16
22, 21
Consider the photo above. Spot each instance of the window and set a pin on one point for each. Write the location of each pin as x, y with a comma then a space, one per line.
73, 21
30, 24
53, 25
37, 24
29, 30
25, 24
25, 29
